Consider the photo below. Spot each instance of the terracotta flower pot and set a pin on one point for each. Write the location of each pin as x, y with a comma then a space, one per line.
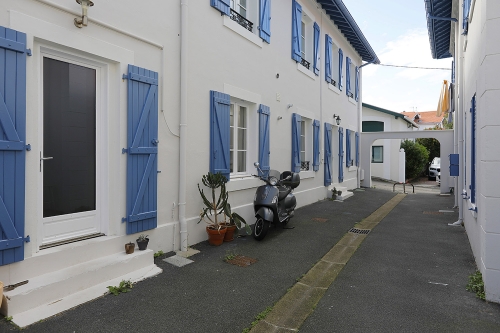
216, 236
229, 236
129, 248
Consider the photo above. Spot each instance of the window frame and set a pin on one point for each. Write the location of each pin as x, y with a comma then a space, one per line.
251, 131
381, 154
307, 38
306, 141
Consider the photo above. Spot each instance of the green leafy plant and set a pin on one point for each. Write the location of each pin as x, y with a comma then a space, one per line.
230, 256
124, 287
258, 318
8, 319
416, 158
158, 254
142, 238
476, 285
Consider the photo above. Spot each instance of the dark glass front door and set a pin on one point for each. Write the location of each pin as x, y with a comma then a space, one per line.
68, 160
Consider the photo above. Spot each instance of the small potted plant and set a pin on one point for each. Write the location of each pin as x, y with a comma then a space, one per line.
213, 212
142, 242
129, 248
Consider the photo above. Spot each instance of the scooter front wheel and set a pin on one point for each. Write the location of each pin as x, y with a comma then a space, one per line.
260, 229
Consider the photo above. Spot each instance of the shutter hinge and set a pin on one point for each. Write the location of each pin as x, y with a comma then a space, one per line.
28, 52
473, 209
28, 147
125, 77
124, 219
158, 171
155, 141
124, 150
27, 239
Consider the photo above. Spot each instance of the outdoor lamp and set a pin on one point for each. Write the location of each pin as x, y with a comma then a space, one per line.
81, 22
337, 119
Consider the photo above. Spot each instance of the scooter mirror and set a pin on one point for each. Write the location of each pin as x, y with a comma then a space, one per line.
256, 164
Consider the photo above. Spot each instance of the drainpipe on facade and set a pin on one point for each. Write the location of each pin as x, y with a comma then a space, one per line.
183, 126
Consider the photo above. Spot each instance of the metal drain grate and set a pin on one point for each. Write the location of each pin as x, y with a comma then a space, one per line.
319, 219
359, 231
242, 261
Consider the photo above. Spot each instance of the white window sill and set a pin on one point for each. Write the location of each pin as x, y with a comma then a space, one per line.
243, 183
307, 72
352, 100
228, 23
352, 168
333, 88
306, 174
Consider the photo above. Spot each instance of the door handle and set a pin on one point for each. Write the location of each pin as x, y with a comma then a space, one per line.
43, 159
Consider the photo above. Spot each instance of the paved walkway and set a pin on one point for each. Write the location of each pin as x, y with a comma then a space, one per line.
408, 274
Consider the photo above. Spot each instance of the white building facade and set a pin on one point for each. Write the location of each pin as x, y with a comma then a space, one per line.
472, 41
111, 119
386, 161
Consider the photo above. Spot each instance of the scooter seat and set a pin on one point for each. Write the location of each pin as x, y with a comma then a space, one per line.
283, 192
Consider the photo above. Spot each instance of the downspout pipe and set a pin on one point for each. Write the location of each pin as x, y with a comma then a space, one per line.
183, 126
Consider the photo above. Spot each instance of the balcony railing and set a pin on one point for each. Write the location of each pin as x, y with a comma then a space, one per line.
235, 16
350, 94
304, 166
333, 83
305, 63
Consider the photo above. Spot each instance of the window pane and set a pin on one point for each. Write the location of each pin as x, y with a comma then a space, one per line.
231, 115
303, 156
243, 12
242, 161
377, 154
242, 139
242, 117
231, 145
231, 169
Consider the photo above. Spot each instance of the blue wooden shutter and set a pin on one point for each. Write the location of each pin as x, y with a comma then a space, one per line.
472, 185
219, 133
12, 144
265, 20
296, 142
453, 71
142, 141
348, 76
316, 49
454, 165
264, 150
296, 31
316, 145
341, 60
328, 58
341, 154
328, 154
348, 147
221, 5
357, 149
356, 89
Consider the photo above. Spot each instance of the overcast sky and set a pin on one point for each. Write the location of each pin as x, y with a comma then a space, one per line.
397, 32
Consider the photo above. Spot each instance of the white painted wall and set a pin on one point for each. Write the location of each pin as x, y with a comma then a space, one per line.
478, 72
222, 57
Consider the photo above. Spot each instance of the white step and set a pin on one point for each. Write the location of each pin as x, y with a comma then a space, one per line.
345, 193
51, 293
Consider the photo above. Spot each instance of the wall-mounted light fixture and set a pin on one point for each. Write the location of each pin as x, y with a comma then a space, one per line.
280, 117
289, 106
337, 119
82, 22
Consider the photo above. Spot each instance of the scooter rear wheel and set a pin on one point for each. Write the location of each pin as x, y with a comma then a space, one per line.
260, 229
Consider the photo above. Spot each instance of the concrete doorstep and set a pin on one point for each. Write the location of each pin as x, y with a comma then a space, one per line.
299, 302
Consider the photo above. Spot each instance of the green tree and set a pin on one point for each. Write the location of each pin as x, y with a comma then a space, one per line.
416, 158
433, 147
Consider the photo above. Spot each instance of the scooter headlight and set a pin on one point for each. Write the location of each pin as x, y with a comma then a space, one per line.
273, 181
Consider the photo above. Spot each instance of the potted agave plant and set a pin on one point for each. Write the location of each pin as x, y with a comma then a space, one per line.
235, 222
213, 212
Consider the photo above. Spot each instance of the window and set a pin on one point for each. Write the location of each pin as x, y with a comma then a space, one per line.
240, 14
306, 32
238, 138
305, 38
350, 148
335, 65
305, 144
373, 126
465, 19
377, 154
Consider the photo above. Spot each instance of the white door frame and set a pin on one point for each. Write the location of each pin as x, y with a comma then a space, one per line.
101, 212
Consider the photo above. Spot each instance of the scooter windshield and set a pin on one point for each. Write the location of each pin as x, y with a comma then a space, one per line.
274, 173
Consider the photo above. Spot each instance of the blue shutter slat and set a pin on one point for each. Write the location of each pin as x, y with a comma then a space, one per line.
296, 142
341, 154
221, 5
219, 133
357, 149
348, 76
142, 138
12, 138
356, 89
341, 60
348, 147
316, 49
264, 146
316, 145
328, 154
473, 152
296, 31
265, 20
328, 58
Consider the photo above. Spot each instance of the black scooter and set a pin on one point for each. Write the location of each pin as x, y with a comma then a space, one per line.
274, 202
